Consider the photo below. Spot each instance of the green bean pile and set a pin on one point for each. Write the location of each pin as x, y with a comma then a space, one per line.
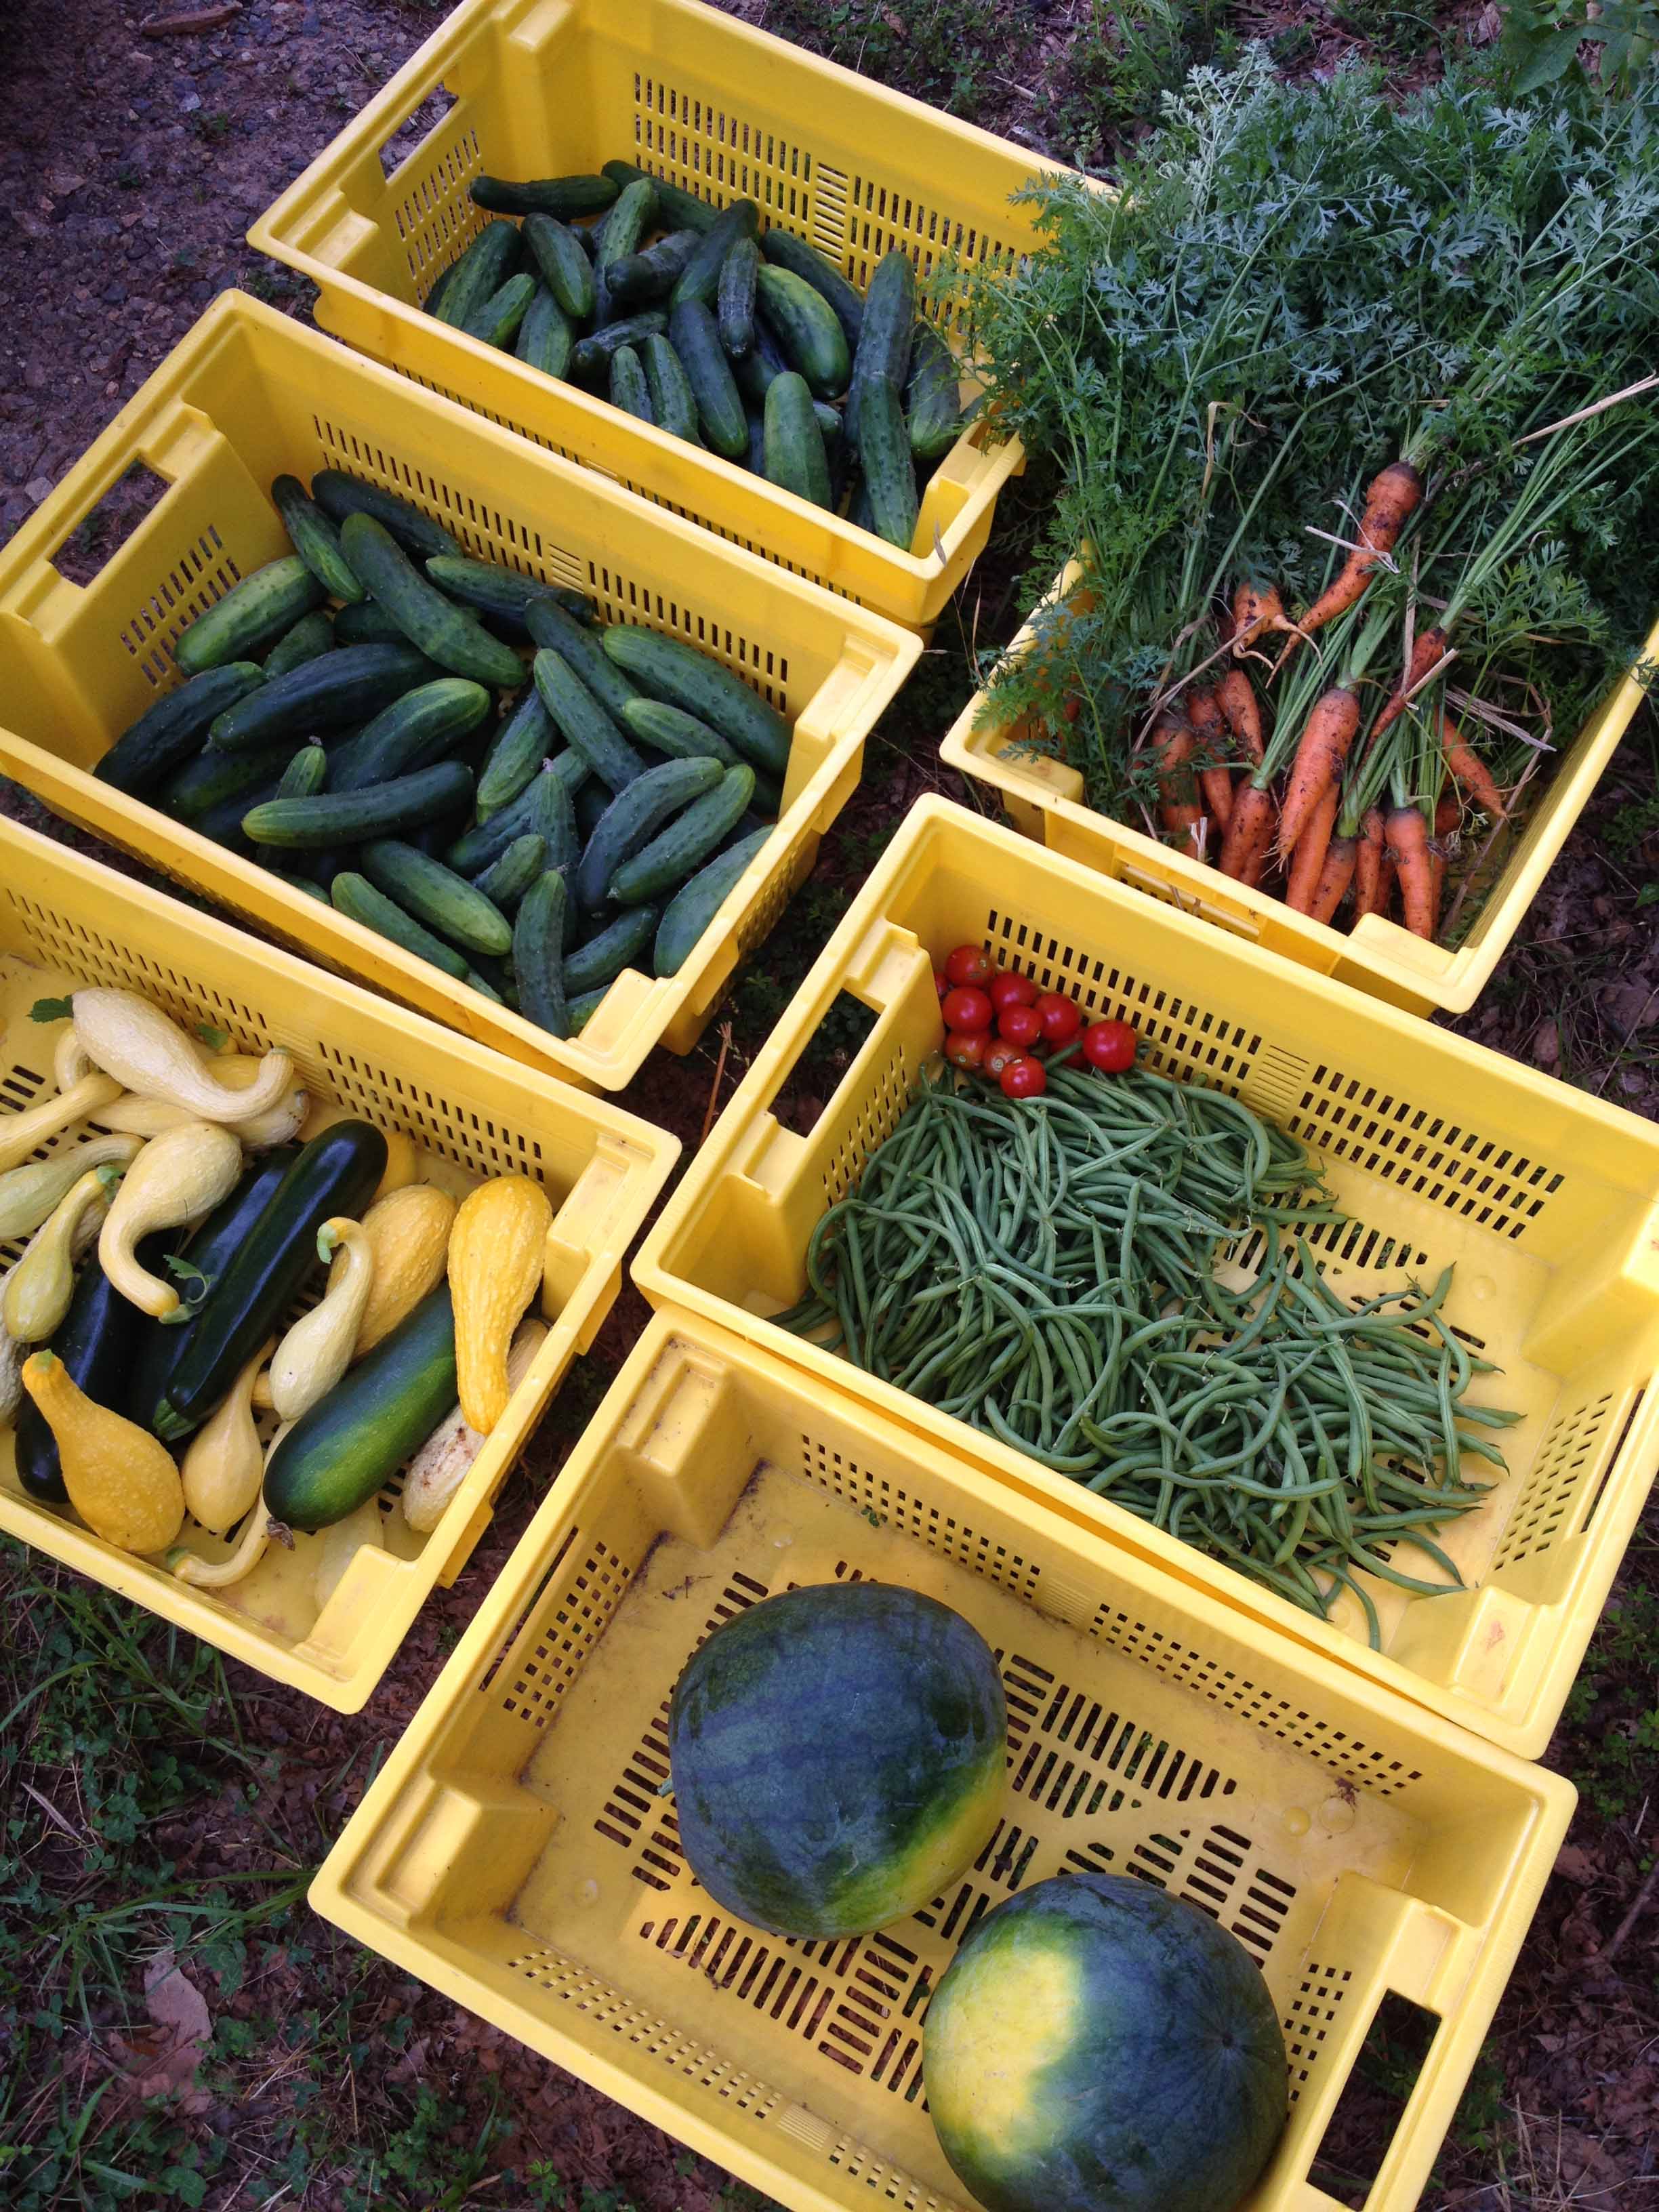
1054, 1272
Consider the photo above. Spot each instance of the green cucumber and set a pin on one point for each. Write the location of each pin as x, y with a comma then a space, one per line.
563, 197
422, 727
538, 952
829, 423
639, 279
224, 822
508, 877
700, 279
795, 458
484, 986
621, 943
436, 895
590, 802
354, 897
251, 616
213, 779
804, 324
356, 1437
673, 403
367, 624
315, 540
481, 270
579, 644
889, 469
625, 226
634, 817
345, 817
605, 307
430, 620
496, 321
734, 297
932, 397
785, 251
629, 388
695, 336
670, 730
311, 637
675, 204
175, 727
336, 1173
689, 840
565, 270
341, 496
890, 322
580, 1011
525, 740
757, 370
305, 775
860, 509
593, 355
691, 910
326, 694
302, 884
543, 806
439, 288
754, 459
583, 721
501, 595
546, 336
684, 678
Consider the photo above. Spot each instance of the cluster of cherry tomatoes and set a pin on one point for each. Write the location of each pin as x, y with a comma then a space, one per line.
996, 1022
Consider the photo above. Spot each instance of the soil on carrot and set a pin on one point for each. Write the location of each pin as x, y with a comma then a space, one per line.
160, 1808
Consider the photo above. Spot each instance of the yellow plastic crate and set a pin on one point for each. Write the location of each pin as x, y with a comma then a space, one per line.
538, 88
65, 921
248, 394
515, 1852
1044, 798
1438, 1151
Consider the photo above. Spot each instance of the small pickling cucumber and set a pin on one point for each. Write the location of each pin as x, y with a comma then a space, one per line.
353, 895
426, 618
734, 297
496, 321
329, 693
889, 469
547, 337
501, 595
524, 741
305, 775
506, 879
932, 397
625, 226
756, 370
674, 204
311, 637
367, 624
539, 933
481, 270
423, 726
543, 807
579, 644
175, 727
890, 322
639, 279
676, 853
629, 388
454, 908
621, 943
566, 198
794, 454
213, 779
346, 818
315, 540
251, 616
340, 495
583, 723
634, 817
804, 324
679, 673
224, 822
694, 336
565, 270
681, 736
673, 403
691, 910
785, 251
700, 278
593, 355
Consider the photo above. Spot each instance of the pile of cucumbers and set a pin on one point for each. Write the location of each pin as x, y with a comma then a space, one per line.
531, 829
736, 338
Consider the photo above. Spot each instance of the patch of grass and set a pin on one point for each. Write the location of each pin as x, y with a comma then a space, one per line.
948, 52
1611, 1721
1121, 63
213, 130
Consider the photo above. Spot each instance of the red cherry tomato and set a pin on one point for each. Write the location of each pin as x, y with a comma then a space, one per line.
997, 1056
1020, 1025
968, 964
965, 1047
1012, 991
1061, 1018
967, 1009
941, 982
1024, 1078
1110, 1046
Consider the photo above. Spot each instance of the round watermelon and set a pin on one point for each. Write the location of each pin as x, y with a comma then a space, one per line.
838, 1755
1099, 2047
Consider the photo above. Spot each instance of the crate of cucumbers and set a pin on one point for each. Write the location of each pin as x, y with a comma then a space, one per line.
708, 276
435, 707
287, 1276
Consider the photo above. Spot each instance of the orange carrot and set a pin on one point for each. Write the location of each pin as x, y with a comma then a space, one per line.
1238, 703
1391, 499
1469, 769
1319, 753
1341, 856
1250, 835
1307, 866
1215, 781
1427, 647
1447, 814
1178, 809
1256, 607
1408, 847
1438, 877
1368, 865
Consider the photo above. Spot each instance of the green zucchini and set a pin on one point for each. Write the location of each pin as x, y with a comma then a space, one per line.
251, 616
673, 403
508, 877
593, 355
546, 337
354, 897
305, 775
341, 496
345, 817
890, 470
543, 807
95, 1340
356, 1437
890, 322
628, 389
804, 325
565, 270
785, 251
679, 673
315, 540
367, 624
496, 321
579, 645
563, 197
415, 730
734, 296
311, 637
932, 397
621, 943
448, 905
691, 910
695, 336
795, 458
213, 779
700, 279
583, 721
525, 741
638, 279
175, 727
634, 817
756, 370
481, 270
625, 226
430, 620
692, 838
336, 1173
538, 952
672, 731
326, 694
675, 205
501, 595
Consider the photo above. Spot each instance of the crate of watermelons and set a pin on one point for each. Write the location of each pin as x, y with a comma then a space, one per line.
709, 275
438, 708
792, 1763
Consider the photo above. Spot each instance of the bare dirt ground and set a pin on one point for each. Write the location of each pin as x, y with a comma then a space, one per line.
150, 1794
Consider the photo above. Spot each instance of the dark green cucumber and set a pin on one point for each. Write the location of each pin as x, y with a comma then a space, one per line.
785, 251
590, 802
538, 933
795, 458
685, 678
315, 540
423, 726
224, 822
634, 215
439, 289
445, 902
700, 279
355, 1438
621, 943
579, 645
336, 1173
481, 270
354, 897
754, 459
305, 775
508, 877
345, 817
829, 423
593, 355
734, 297
501, 594
690, 839
605, 310
174, 728
430, 620
546, 337
214, 779
525, 740
695, 336
639, 279
580, 1011
303, 884
691, 911
756, 370
341, 496
890, 322
634, 818
885, 453
565, 270
251, 616
543, 807
311, 637
675, 205
563, 197
932, 397
484, 986
673, 403
629, 388
681, 736
95, 1340
496, 321
804, 324
583, 721
326, 694
860, 510
366, 625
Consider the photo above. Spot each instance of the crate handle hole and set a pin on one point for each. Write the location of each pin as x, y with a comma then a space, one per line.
1380, 2085
823, 1061
86, 550
414, 129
